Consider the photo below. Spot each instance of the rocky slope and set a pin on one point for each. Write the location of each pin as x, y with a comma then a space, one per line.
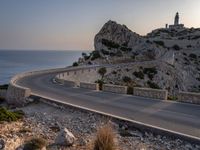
49, 120
168, 58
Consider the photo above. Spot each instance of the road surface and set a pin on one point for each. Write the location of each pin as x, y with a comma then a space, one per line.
178, 117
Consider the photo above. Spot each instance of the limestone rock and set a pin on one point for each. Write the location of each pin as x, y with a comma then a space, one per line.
65, 138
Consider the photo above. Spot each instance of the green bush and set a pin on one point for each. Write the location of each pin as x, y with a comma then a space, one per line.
194, 56
176, 47
150, 72
105, 52
139, 74
153, 85
100, 82
130, 90
102, 71
125, 49
110, 44
95, 55
6, 115
127, 79
4, 87
161, 43
172, 98
35, 144
2, 99
75, 64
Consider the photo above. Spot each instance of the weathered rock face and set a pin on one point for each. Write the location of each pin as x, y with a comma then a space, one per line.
114, 36
117, 41
173, 53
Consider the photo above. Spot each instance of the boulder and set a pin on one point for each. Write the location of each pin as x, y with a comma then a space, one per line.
65, 138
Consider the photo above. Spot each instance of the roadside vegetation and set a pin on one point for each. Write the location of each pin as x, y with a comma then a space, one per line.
7, 115
105, 139
35, 144
4, 87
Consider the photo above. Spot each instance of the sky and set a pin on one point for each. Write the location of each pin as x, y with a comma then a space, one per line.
72, 24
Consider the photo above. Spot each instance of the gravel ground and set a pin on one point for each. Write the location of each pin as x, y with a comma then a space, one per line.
44, 120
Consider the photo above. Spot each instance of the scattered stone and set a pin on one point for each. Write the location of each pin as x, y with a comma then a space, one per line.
65, 138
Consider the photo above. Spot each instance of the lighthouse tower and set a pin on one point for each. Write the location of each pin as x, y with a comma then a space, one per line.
176, 24
176, 19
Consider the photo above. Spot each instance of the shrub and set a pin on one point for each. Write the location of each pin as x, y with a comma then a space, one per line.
150, 72
6, 115
35, 144
105, 139
100, 82
153, 85
75, 64
130, 90
105, 52
172, 98
110, 44
126, 79
4, 87
176, 47
102, 71
126, 49
2, 99
139, 74
161, 43
194, 56
114, 72
95, 55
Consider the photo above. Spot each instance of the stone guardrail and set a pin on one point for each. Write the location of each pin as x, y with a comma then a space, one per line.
189, 97
3, 93
150, 93
66, 82
114, 88
92, 86
16, 94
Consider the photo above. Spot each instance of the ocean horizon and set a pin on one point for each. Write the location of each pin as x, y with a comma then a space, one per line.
13, 62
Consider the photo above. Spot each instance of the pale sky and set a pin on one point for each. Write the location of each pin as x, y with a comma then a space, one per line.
72, 24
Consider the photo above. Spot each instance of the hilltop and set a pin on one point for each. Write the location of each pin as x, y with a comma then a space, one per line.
166, 58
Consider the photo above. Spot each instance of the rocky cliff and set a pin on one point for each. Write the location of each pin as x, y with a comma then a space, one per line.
165, 58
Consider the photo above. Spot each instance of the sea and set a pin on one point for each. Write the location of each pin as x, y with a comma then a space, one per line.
13, 62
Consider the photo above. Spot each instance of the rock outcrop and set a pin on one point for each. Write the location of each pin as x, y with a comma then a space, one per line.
173, 53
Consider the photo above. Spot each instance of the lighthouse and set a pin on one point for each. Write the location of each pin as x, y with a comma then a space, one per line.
176, 24
176, 19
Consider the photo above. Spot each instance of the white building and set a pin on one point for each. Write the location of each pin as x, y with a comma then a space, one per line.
176, 24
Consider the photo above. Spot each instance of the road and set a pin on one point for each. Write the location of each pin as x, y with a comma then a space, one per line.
179, 117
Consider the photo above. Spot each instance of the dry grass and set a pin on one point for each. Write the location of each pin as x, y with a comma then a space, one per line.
105, 139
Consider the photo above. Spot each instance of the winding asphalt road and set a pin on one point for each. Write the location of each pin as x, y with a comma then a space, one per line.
178, 117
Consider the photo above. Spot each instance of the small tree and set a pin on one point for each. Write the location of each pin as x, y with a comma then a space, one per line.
102, 71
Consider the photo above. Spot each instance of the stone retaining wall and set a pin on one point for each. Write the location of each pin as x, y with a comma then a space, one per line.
3, 93
17, 95
150, 93
92, 86
114, 88
189, 97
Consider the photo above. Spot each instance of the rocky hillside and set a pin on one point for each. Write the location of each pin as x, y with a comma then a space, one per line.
165, 58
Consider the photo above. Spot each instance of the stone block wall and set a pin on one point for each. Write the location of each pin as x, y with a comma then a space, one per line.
150, 93
3, 93
17, 95
189, 97
92, 86
114, 88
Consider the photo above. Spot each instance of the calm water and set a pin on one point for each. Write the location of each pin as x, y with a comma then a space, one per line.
13, 62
